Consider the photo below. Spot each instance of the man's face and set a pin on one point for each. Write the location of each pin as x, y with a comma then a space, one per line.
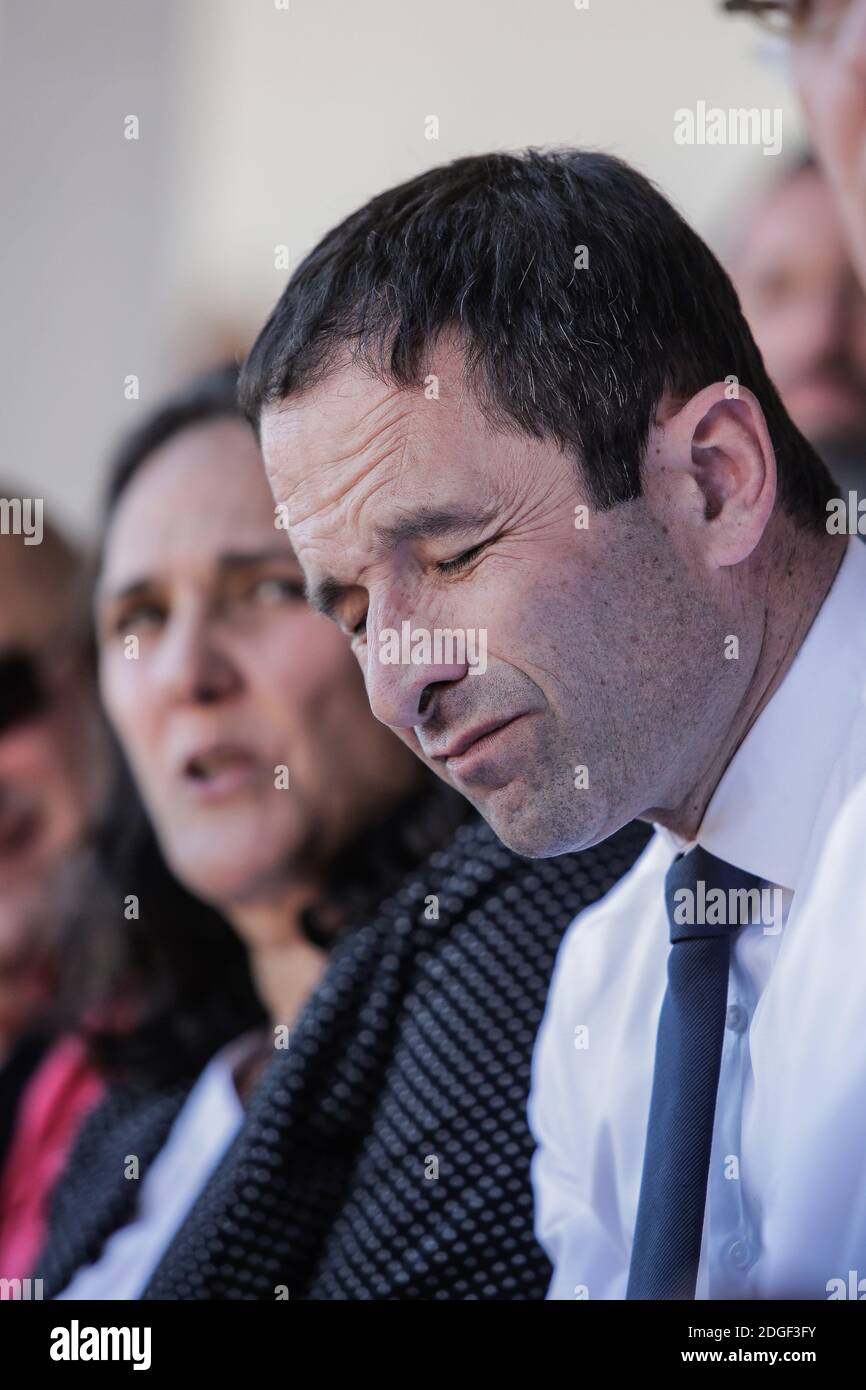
829, 64
602, 642
806, 309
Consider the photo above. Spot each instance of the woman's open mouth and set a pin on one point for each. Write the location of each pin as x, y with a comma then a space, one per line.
220, 771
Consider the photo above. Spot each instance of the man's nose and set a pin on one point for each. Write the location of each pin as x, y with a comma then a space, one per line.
405, 666
192, 666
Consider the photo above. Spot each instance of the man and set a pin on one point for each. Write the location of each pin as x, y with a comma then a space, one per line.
828, 60
516, 396
790, 265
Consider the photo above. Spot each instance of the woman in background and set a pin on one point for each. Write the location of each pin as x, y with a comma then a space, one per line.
280, 811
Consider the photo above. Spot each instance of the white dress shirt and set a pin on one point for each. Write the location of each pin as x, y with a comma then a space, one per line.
204, 1128
786, 1194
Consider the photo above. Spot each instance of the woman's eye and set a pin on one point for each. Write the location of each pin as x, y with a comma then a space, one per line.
360, 628
460, 562
276, 589
143, 615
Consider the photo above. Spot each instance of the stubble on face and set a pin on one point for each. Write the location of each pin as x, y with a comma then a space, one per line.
595, 635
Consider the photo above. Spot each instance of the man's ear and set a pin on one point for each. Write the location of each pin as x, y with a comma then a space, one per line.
720, 469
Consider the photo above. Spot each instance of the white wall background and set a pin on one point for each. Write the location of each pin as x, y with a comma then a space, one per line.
261, 127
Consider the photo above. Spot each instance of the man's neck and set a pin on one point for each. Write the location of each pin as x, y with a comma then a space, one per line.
797, 591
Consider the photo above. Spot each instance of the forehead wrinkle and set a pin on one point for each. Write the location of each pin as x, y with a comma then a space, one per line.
376, 441
372, 477
386, 441
357, 461
401, 397
325, 593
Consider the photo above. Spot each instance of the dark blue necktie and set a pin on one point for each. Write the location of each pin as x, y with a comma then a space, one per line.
670, 1214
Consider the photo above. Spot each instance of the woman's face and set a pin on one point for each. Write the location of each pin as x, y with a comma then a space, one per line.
223, 685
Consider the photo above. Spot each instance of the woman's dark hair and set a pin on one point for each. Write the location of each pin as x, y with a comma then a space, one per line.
154, 977
580, 296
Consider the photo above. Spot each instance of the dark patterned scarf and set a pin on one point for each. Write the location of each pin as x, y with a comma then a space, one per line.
385, 1153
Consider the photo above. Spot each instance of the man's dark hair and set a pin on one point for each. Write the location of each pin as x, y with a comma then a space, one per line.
487, 245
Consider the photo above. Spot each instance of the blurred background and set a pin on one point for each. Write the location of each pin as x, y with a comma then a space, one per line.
258, 128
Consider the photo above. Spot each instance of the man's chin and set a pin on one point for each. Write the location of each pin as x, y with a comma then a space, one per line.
538, 832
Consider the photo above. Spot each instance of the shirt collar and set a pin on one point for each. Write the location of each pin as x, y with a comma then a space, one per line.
761, 814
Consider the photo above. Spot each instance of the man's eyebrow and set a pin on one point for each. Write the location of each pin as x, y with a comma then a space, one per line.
430, 522
423, 523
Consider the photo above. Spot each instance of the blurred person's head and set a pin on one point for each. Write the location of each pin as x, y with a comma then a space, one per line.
790, 265
241, 714
51, 768
828, 57
46, 705
517, 396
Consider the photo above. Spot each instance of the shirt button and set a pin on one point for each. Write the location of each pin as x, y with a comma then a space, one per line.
740, 1254
736, 1018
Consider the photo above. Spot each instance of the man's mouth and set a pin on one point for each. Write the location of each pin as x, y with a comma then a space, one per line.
470, 749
